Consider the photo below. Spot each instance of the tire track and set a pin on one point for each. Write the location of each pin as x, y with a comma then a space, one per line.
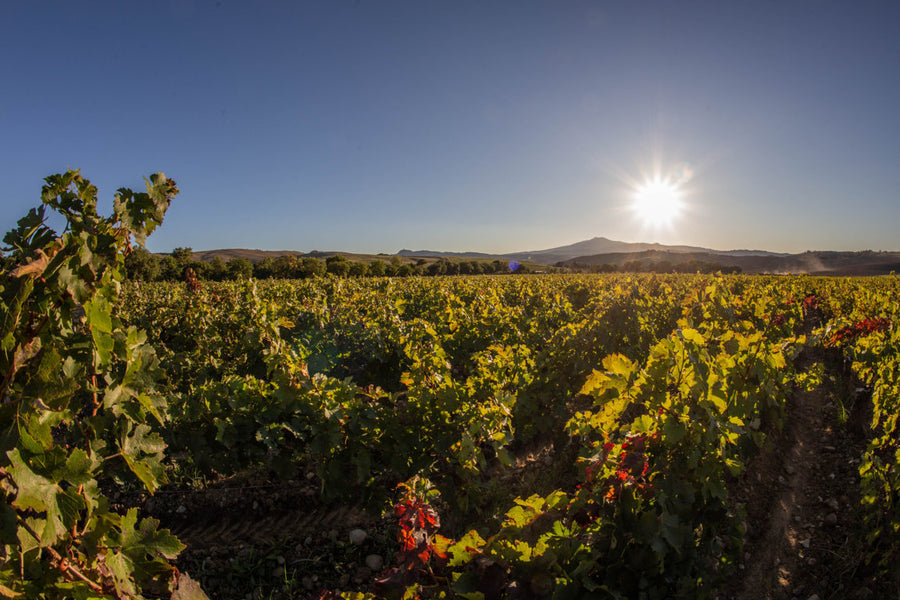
218, 530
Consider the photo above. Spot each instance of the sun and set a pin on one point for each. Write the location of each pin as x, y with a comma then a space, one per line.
658, 202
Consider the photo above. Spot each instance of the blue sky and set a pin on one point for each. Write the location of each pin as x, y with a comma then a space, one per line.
494, 126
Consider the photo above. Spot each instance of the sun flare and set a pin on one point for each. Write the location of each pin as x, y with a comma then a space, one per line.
657, 202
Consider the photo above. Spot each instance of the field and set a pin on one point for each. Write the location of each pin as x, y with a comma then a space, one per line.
527, 436
552, 436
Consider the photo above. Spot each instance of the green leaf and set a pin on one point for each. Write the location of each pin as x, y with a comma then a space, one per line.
643, 424
618, 364
673, 531
37, 493
673, 430
692, 335
465, 549
142, 451
718, 402
78, 468
98, 315
145, 539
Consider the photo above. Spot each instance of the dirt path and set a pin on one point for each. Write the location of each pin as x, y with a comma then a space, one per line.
801, 493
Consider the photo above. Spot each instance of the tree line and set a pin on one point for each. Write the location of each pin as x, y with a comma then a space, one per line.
146, 266
664, 266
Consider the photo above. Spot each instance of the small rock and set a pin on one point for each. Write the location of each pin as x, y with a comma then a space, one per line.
811, 562
358, 536
280, 559
833, 504
814, 597
831, 519
374, 562
255, 505
278, 572
799, 589
307, 583
805, 543
344, 581
789, 469
181, 509
782, 480
308, 540
548, 460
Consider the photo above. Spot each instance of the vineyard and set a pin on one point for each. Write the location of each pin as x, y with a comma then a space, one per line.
536, 436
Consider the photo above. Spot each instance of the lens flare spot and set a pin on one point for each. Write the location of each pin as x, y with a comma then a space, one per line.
658, 202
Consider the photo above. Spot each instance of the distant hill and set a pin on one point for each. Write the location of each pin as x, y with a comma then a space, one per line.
258, 255
594, 246
814, 263
440, 254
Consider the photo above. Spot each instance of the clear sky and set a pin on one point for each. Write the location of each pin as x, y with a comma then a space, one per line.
370, 126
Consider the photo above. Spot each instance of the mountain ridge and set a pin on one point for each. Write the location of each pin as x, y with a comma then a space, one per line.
595, 245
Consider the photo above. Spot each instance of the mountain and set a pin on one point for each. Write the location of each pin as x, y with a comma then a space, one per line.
594, 246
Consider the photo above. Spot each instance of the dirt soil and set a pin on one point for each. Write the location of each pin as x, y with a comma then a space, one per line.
249, 537
801, 499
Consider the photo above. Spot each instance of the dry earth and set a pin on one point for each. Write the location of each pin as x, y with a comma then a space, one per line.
801, 498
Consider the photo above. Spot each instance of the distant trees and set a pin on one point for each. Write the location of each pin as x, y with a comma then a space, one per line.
311, 267
337, 265
358, 269
652, 266
142, 265
239, 268
286, 267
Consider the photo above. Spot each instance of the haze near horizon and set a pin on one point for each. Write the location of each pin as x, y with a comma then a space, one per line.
492, 127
